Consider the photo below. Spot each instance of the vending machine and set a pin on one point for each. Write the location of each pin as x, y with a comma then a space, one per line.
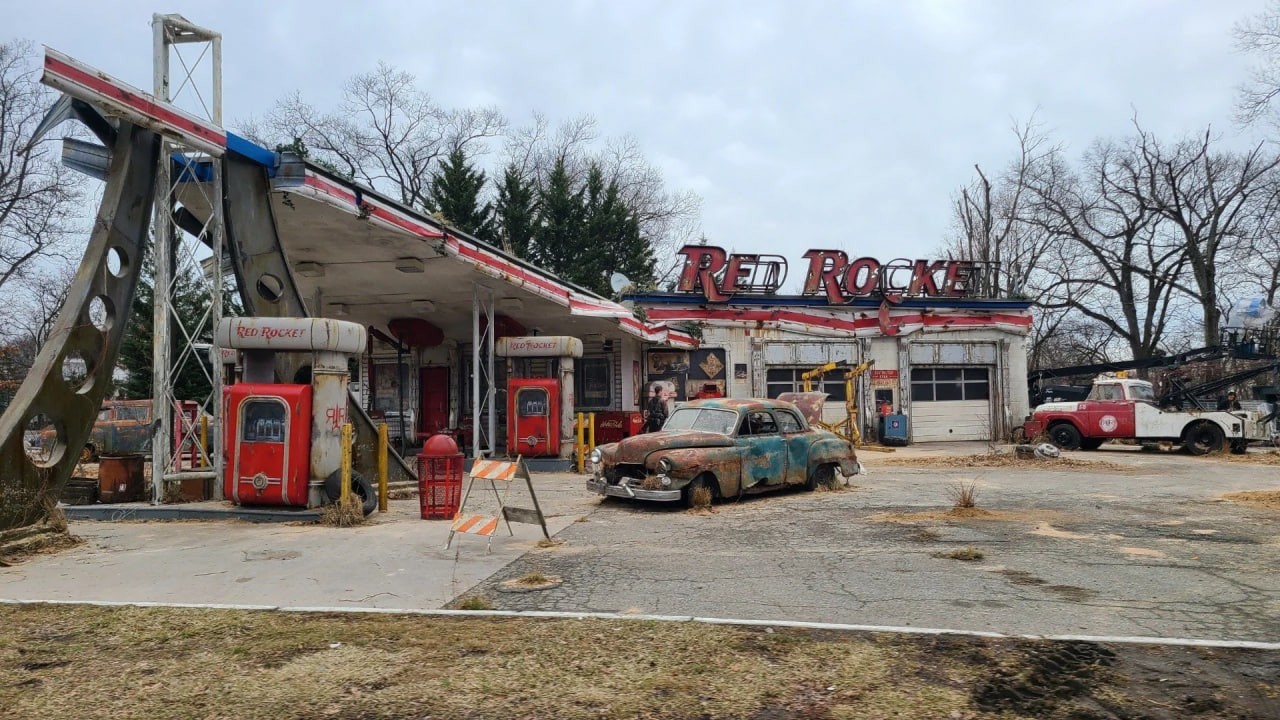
533, 417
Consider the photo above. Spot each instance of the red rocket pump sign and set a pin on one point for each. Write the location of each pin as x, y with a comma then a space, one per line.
720, 275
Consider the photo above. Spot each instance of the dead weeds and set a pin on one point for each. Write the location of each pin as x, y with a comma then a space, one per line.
68, 661
968, 554
343, 514
1266, 499
1254, 458
998, 460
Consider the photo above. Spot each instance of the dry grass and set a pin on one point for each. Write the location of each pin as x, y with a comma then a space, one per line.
997, 459
473, 602
1255, 458
963, 494
186, 663
548, 543
1267, 499
969, 554
343, 514
42, 541
701, 499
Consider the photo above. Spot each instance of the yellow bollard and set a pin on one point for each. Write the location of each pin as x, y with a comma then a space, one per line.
582, 455
591, 432
203, 455
382, 467
346, 464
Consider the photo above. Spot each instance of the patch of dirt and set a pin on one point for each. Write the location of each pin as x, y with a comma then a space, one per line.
999, 459
1028, 516
43, 542
67, 661
1254, 458
1268, 499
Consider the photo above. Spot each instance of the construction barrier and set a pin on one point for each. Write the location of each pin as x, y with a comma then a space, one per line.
493, 472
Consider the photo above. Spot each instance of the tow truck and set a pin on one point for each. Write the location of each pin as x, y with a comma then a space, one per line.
1124, 408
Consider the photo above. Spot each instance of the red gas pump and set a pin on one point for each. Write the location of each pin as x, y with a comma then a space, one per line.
268, 434
282, 443
533, 417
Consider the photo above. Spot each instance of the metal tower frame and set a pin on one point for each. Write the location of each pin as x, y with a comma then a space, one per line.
186, 174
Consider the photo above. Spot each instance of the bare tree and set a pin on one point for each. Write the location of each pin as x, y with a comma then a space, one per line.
38, 197
1126, 270
1213, 202
386, 133
1259, 36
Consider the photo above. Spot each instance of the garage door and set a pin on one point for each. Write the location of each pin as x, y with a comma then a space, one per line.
950, 403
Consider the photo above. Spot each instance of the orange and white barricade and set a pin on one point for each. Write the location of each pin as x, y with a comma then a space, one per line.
494, 472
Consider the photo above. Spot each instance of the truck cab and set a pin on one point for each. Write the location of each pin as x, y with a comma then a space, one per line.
1120, 407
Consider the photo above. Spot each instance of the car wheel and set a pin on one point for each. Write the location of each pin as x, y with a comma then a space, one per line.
1239, 447
1065, 436
1091, 443
1203, 438
359, 485
821, 475
700, 492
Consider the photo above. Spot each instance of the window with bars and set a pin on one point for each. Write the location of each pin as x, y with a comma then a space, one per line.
779, 380
931, 384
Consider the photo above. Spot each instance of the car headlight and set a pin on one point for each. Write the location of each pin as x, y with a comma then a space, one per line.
665, 466
594, 456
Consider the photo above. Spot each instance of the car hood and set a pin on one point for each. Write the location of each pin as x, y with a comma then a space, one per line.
638, 447
1069, 406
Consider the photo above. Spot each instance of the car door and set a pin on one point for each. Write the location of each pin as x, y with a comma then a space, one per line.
764, 460
797, 439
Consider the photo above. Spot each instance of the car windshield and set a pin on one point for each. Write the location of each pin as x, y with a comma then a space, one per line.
705, 419
1143, 393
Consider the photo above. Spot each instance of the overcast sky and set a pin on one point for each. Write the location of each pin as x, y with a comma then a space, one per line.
801, 125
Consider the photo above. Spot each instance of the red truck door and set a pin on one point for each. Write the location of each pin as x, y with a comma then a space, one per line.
1107, 413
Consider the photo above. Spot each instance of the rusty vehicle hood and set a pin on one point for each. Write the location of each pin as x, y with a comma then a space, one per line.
808, 403
636, 448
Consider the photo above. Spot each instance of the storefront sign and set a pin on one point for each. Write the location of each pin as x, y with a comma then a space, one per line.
539, 346
719, 275
883, 378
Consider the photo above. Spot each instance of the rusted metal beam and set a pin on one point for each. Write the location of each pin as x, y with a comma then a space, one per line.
90, 326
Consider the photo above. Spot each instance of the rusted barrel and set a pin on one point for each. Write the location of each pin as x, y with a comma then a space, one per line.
120, 478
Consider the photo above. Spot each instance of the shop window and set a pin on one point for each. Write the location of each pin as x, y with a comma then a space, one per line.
949, 384
780, 380
593, 382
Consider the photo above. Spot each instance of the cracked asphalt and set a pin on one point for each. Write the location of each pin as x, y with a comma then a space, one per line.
1150, 550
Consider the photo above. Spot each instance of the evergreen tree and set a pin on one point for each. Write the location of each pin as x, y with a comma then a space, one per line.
612, 232
455, 194
190, 302
558, 243
516, 213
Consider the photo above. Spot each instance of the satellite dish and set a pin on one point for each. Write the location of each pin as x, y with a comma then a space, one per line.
619, 282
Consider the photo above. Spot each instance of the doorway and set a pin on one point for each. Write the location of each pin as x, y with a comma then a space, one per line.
433, 388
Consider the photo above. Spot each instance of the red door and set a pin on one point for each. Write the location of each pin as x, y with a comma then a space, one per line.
433, 387
1107, 413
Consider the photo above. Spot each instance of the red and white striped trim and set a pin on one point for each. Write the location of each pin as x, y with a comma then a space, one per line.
95, 87
336, 194
818, 322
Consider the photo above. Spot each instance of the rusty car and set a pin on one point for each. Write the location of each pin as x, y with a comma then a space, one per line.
730, 447
123, 427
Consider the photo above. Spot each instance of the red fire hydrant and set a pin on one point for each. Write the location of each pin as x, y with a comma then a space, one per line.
440, 478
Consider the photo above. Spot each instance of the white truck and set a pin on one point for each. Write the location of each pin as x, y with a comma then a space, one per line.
1122, 408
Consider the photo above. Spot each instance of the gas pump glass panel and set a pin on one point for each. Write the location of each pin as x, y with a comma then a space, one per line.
264, 420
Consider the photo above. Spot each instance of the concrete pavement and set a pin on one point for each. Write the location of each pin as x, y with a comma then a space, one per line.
395, 561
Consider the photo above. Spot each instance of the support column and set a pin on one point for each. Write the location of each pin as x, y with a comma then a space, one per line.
328, 415
566, 407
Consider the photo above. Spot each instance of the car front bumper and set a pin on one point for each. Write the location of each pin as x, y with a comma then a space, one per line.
600, 486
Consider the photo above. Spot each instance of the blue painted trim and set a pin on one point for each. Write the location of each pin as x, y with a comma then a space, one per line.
253, 151
814, 301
